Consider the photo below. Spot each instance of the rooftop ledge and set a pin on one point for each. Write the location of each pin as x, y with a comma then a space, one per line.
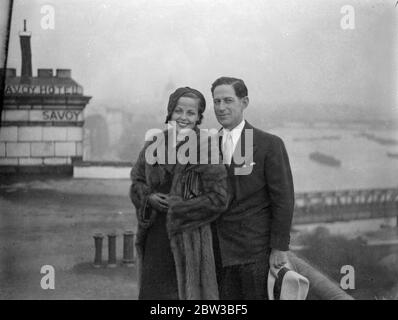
79, 162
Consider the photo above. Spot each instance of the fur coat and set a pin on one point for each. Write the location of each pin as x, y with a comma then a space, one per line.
188, 219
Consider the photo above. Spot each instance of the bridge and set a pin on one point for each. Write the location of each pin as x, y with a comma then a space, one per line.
345, 205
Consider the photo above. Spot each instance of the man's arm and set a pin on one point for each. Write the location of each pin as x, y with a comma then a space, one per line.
281, 192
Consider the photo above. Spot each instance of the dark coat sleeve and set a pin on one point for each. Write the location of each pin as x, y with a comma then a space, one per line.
281, 192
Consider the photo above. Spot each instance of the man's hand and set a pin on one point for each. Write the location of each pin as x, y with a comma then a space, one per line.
277, 259
159, 202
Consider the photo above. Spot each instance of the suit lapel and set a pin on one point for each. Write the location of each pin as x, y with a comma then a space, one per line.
242, 142
229, 167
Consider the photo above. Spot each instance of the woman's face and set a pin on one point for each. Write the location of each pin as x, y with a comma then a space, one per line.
186, 113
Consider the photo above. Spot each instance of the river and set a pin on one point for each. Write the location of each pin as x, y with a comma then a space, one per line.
364, 162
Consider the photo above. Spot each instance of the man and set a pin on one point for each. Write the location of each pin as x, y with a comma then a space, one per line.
254, 233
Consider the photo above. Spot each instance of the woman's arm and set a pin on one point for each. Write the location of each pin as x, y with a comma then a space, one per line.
139, 190
205, 208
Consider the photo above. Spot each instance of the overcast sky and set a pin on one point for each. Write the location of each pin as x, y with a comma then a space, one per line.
288, 52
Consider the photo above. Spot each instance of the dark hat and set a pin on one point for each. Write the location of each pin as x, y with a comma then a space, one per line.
173, 99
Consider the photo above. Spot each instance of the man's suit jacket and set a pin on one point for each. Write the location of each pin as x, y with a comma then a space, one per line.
260, 214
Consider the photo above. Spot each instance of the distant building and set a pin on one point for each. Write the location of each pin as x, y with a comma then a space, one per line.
115, 118
42, 118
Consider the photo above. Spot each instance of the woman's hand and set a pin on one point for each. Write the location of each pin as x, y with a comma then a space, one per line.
159, 201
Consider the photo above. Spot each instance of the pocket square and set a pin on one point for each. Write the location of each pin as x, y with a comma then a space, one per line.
249, 165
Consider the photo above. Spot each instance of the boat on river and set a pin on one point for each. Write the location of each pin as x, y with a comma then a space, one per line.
324, 159
392, 155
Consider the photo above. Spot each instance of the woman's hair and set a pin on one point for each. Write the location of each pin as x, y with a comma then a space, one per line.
188, 93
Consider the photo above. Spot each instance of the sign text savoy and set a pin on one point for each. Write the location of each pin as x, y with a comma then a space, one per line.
27, 89
61, 115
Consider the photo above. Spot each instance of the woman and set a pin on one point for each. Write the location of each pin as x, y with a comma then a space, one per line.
175, 205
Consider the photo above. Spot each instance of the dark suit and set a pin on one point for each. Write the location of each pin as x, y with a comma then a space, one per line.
259, 216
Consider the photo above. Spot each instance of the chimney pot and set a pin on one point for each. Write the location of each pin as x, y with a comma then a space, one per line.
9, 72
44, 73
64, 73
26, 52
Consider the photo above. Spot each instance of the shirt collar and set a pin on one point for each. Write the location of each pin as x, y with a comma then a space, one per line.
236, 132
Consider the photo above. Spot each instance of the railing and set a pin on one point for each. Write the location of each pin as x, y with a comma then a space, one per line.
321, 287
343, 205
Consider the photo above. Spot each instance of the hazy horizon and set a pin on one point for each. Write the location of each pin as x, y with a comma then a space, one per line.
294, 56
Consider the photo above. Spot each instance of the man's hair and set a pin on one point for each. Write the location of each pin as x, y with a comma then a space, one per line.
238, 85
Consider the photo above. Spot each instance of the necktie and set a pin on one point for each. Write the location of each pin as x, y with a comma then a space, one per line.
228, 148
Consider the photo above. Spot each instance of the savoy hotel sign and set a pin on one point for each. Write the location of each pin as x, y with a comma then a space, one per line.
47, 89
61, 115
49, 115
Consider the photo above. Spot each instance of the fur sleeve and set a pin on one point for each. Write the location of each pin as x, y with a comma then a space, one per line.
139, 189
207, 207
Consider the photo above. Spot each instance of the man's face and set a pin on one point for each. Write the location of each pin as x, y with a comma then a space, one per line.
228, 107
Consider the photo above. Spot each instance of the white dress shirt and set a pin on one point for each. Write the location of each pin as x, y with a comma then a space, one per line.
235, 134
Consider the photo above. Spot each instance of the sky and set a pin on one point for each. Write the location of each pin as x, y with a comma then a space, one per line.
293, 55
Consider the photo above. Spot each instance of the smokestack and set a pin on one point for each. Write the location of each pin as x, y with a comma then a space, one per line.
26, 69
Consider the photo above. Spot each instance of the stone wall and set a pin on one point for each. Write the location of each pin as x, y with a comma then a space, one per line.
31, 145
45, 134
